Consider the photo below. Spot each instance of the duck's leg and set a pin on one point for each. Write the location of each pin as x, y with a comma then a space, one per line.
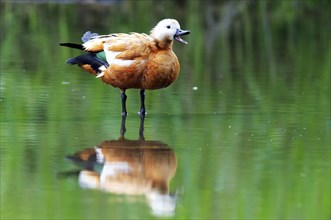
123, 127
142, 103
141, 128
123, 97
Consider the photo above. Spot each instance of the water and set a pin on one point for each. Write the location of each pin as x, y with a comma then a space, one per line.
244, 133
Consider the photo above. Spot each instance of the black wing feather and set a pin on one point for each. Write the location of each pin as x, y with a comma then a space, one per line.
91, 59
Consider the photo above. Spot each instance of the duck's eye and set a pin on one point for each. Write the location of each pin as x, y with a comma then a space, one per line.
168, 26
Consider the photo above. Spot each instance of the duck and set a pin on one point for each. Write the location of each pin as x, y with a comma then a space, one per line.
132, 60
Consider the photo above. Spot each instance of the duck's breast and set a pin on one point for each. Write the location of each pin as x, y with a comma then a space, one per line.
162, 69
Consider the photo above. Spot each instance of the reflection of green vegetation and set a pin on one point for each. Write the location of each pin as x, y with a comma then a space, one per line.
255, 134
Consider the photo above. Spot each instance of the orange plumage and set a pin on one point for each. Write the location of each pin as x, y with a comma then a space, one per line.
133, 60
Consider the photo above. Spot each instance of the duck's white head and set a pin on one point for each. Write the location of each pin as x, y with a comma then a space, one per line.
168, 30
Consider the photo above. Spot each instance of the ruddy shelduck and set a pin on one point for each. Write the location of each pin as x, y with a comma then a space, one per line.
134, 60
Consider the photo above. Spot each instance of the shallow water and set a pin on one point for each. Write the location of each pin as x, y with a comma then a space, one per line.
239, 135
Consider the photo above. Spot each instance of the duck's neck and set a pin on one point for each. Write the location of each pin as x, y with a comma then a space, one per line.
164, 45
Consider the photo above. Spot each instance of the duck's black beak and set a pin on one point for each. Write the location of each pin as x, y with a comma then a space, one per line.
181, 33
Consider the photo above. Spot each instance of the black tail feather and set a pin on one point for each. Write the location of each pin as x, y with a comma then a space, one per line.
72, 45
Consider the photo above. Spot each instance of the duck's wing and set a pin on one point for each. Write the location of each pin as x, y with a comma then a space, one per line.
121, 49
126, 48
95, 43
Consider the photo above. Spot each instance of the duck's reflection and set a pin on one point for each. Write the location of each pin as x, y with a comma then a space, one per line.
131, 167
